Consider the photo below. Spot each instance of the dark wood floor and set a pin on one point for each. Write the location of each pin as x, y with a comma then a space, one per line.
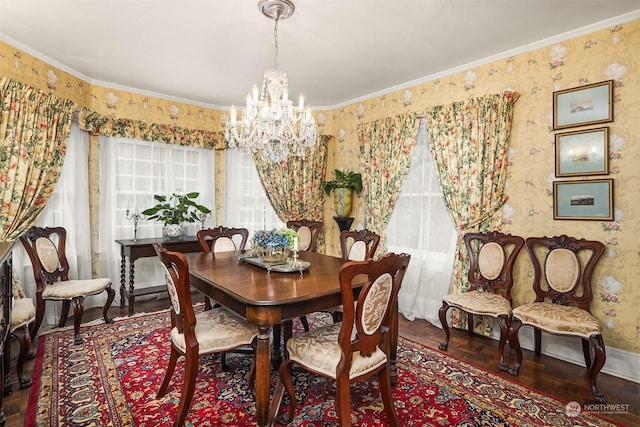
563, 380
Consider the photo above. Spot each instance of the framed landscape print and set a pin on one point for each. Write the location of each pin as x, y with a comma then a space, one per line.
583, 152
584, 105
590, 200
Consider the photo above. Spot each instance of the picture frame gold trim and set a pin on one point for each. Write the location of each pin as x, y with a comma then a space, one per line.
583, 200
583, 105
582, 152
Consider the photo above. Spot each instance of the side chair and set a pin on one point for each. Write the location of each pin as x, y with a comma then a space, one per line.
562, 272
212, 331
309, 232
356, 348
46, 248
491, 259
222, 239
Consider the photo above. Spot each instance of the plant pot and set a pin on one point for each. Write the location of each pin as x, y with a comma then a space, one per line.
342, 201
174, 230
273, 255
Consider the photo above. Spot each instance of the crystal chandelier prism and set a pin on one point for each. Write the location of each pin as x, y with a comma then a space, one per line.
271, 125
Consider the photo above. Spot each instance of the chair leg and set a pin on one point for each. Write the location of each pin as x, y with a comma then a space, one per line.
173, 358
190, 375
22, 335
503, 322
35, 326
537, 338
111, 294
515, 344
64, 314
285, 378
599, 357
384, 379
8, 387
442, 314
586, 351
343, 400
78, 310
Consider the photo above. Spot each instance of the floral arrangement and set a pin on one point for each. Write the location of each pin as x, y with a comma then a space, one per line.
275, 239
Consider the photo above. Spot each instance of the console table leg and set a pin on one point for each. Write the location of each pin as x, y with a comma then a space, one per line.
123, 266
132, 295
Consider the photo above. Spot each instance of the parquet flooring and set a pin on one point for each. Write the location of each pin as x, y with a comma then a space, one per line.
563, 380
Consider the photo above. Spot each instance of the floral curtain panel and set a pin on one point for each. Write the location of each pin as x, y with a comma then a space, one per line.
469, 144
385, 160
294, 186
96, 124
34, 132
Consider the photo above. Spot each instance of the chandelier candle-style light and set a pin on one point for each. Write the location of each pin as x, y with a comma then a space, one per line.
271, 125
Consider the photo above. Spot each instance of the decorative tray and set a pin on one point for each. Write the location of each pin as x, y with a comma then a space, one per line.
288, 266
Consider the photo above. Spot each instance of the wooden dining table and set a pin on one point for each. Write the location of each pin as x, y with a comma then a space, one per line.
267, 299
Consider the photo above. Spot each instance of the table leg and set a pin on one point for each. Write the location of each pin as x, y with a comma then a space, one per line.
132, 294
263, 375
123, 266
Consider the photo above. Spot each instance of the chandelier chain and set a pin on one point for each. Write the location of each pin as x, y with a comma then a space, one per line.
275, 39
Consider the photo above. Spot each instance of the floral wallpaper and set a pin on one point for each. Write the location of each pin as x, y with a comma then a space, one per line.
609, 53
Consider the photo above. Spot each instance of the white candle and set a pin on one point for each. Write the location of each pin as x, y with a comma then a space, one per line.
295, 244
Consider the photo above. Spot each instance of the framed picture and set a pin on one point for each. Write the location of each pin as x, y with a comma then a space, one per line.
582, 152
591, 200
584, 105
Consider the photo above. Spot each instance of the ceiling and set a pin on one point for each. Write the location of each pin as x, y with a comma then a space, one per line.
211, 52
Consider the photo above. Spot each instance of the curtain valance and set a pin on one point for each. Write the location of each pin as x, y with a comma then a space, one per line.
97, 124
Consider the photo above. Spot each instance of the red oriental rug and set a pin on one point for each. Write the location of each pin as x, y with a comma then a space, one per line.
112, 380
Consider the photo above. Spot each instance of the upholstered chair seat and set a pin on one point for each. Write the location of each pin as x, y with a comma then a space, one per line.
22, 313
218, 330
559, 319
68, 289
480, 302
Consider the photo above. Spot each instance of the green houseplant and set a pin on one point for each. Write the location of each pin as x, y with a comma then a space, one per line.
343, 186
175, 211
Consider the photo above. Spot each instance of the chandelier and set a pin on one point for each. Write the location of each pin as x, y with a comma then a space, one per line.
271, 125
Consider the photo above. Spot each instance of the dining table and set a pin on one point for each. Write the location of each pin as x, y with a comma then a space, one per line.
267, 297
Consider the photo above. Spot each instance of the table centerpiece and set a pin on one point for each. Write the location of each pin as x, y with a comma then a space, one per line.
273, 246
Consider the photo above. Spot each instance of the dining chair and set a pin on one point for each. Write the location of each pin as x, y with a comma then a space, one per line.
23, 316
356, 348
492, 256
212, 331
46, 248
222, 239
308, 231
355, 245
562, 273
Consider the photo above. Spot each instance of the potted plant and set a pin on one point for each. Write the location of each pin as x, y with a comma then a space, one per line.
343, 186
175, 211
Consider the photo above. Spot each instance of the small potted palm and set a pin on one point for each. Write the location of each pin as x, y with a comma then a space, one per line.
175, 211
343, 186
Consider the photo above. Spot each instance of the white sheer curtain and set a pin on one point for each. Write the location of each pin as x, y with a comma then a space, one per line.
131, 172
421, 226
68, 207
246, 204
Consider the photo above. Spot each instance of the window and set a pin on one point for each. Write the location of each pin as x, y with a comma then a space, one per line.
246, 203
131, 173
422, 226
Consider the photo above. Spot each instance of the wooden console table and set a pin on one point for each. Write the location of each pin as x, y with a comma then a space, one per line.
141, 248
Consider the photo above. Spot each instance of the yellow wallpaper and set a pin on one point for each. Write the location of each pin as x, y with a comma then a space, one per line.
611, 53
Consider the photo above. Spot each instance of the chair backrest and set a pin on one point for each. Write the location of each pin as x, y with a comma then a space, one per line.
358, 245
371, 315
492, 256
176, 272
222, 239
46, 249
563, 267
309, 231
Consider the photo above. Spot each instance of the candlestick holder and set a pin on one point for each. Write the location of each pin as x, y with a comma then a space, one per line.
202, 216
135, 216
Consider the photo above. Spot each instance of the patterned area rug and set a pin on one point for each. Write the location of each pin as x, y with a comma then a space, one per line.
112, 380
